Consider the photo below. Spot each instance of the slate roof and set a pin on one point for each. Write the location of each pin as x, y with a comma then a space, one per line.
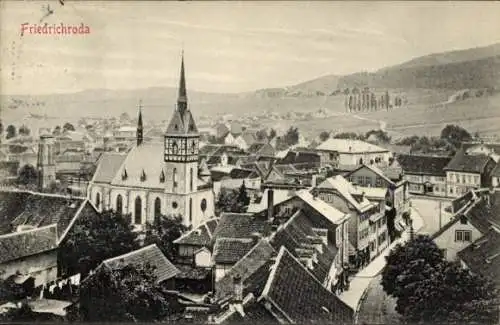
38, 210
239, 225
151, 255
231, 250
107, 166
299, 297
297, 235
253, 269
463, 162
199, 236
425, 165
27, 243
483, 256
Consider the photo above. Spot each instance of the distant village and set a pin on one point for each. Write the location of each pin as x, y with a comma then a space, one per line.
227, 222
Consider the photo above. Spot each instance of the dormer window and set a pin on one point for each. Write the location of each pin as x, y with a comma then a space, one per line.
176, 127
162, 177
124, 175
143, 176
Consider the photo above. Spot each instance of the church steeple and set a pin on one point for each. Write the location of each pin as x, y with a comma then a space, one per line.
182, 97
140, 137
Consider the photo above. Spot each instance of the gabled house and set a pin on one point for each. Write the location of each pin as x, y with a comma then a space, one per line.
371, 176
472, 220
164, 270
425, 174
195, 240
268, 296
467, 171
368, 233
351, 152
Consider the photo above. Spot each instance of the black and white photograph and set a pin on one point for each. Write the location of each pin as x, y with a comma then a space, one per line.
250, 162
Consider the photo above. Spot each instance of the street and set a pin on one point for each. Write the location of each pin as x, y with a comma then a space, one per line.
378, 307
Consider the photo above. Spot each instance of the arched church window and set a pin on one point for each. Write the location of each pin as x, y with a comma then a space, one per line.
119, 204
191, 179
174, 178
203, 205
98, 200
157, 207
138, 211
190, 210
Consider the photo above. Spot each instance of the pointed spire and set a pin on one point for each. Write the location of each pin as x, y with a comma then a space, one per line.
140, 138
182, 98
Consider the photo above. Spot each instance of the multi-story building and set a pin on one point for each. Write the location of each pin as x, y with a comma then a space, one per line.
425, 174
468, 171
346, 152
367, 225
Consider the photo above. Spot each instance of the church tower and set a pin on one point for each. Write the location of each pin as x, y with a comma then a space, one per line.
46, 164
181, 143
140, 130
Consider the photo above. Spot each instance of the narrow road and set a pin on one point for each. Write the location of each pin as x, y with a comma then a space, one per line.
378, 307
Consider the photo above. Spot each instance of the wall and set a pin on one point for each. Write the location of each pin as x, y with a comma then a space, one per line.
459, 183
203, 258
42, 267
221, 270
234, 183
354, 158
447, 239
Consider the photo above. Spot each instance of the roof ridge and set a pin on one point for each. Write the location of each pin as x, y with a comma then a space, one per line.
111, 259
15, 190
36, 229
73, 220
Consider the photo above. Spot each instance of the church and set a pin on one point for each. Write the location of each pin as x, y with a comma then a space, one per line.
155, 179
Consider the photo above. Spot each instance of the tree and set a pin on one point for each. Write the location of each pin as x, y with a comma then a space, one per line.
447, 293
57, 130
272, 134
455, 135
324, 135
291, 137
399, 258
127, 294
10, 290
163, 232
27, 175
346, 135
243, 198
24, 130
95, 238
124, 117
228, 201
11, 131
68, 127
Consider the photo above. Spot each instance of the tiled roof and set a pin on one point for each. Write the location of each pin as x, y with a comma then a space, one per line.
255, 313
462, 201
107, 166
472, 163
375, 170
299, 297
38, 210
238, 173
332, 214
26, 243
297, 235
483, 256
300, 157
151, 255
231, 250
199, 236
426, 165
239, 225
349, 146
253, 269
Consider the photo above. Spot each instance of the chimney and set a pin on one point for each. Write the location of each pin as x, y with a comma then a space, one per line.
270, 204
238, 289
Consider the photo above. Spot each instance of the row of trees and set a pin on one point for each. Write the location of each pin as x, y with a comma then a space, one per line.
450, 140
430, 289
11, 131
379, 135
357, 100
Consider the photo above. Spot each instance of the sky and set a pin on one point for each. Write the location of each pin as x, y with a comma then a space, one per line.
228, 46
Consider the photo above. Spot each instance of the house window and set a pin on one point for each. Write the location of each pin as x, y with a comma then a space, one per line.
332, 156
119, 204
138, 211
98, 200
157, 207
203, 205
190, 210
469, 179
174, 178
191, 179
463, 235
476, 180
